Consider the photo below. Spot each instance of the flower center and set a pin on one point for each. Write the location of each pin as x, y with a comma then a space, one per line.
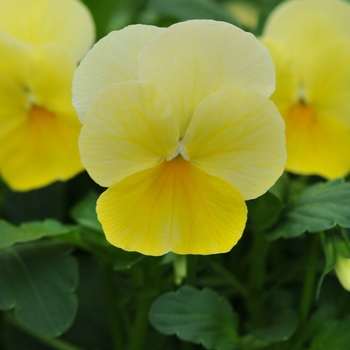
38, 114
179, 151
303, 114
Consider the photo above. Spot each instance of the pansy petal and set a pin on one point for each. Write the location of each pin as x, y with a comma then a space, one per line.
238, 136
192, 59
305, 26
172, 207
286, 74
13, 95
64, 22
317, 144
14, 56
329, 81
13, 105
41, 150
112, 60
48, 86
129, 128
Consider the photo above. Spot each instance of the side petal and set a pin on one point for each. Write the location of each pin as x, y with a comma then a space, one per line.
64, 22
286, 74
48, 86
112, 60
172, 207
328, 81
13, 89
305, 26
129, 128
238, 136
317, 144
192, 59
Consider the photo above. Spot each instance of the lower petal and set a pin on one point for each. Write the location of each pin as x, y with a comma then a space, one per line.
41, 150
175, 207
316, 143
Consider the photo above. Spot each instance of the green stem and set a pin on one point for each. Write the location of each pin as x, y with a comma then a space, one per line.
230, 278
308, 292
256, 277
140, 328
191, 270
258, 255
54, 343
112, 307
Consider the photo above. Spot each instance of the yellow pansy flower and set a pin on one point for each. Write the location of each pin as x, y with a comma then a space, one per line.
309, 42
178, 124
41, 42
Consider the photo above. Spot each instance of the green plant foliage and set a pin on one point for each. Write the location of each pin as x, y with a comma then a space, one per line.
283, 327
202, 317
84, 213
334, 334
191, 9
37, 280
31, 231
91, 236
318, 208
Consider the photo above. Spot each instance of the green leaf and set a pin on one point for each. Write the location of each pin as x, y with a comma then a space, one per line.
333, 335
280, 188
263, 212
318, 208
342, 243
284, 325
92, 238
84, 212
202, 317
37, 281
192, 9
31, 231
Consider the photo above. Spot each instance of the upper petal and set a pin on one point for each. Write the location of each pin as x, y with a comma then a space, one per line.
64, 22
172, 207
112, 60
129, 128
305, 26
194, 58
238, 136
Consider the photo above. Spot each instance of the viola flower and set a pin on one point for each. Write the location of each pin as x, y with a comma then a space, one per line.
309, 42
41, 43
178, 125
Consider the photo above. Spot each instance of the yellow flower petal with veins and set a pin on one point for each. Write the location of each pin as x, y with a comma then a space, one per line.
309, 42
113, 60
194, 58
41, 42
236, 145
312, 136
130, 135
64, 22
305, 26
182, 147
41, 126
172, 207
